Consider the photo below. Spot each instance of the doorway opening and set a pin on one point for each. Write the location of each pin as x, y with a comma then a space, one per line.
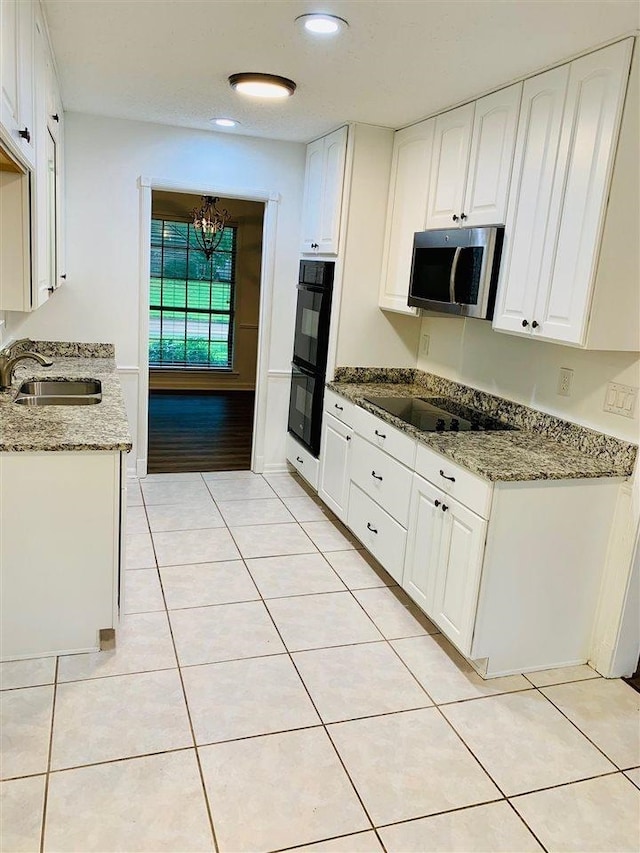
203, 337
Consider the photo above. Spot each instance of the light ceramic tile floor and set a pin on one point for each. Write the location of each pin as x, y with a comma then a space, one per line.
272, 688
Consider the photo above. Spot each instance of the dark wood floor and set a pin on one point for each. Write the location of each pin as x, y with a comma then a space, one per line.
200, 431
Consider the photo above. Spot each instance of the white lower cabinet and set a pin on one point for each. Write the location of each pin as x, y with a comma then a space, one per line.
384, 479
516, 591
61, 560
444, 560
334, 465
378, 532
423, 543
303, 461
510, 572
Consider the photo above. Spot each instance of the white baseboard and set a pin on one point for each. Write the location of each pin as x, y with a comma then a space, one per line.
275, 468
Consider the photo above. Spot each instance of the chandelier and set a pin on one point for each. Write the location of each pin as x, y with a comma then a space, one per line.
209, 224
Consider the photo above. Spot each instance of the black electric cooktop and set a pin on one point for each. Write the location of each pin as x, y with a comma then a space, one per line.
438, 414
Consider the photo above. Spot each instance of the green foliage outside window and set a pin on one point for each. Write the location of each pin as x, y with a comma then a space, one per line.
191, 298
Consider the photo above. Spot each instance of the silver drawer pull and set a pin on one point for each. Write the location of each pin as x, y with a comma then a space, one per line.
376, 476
339, 408
372, 529
379, 434
298, 459
442, 474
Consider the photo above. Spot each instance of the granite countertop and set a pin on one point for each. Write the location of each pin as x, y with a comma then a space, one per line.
102, 426
542, 448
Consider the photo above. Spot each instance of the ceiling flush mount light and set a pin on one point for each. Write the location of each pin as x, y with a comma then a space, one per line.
321, 24
262, 85
209, 223
225, 122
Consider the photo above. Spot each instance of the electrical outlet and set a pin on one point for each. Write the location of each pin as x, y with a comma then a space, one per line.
565, 381
424, 344
620, 399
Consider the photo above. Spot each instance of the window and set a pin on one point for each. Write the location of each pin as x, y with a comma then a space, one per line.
191, 299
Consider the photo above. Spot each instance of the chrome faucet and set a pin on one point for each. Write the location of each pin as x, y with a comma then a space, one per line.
8, 362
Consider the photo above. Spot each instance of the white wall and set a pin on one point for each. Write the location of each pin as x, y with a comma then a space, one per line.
104, 159
526, 371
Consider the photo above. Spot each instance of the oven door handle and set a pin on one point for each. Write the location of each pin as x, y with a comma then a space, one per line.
452, 275
296, 367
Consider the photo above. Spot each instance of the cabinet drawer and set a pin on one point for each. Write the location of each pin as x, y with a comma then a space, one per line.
471, 490
378, 532
340, 408
304, 463
384, 436
382, 478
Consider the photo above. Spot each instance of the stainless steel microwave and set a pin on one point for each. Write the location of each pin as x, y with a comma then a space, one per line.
455, 270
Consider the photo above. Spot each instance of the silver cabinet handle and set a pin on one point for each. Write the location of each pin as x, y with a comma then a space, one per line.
452, 276
372, 529
376, 476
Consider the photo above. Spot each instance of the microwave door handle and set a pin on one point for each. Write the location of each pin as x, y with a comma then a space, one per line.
452, 276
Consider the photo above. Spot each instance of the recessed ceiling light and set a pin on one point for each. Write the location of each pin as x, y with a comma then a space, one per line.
321, 24
262, 85
225, 122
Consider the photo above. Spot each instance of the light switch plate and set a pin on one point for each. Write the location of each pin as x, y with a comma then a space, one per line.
620, 399
424, 344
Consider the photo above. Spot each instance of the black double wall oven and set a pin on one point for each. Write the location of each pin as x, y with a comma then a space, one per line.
310, 346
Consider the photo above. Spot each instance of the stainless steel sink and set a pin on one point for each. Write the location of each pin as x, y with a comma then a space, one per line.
60, 392
61, 387
51, 400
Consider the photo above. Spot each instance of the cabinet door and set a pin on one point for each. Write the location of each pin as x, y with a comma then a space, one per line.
16, 74
44, 176
595, 97
492, 147
526, 233
335, 149
449, 163
334, 465
458, 570
312, 195
406, 212
423, 543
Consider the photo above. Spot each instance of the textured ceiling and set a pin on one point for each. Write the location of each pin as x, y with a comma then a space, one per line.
168, 61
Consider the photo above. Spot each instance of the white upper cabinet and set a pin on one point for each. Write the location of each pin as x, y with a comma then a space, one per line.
471, 162
565, 153
16, 68
324, 177
525, 236
312, 194
406, 212
595, 96
449, 163
34, 208
492, 146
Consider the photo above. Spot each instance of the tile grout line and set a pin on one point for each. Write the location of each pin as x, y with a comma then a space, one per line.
45, 799
577, 727
322, 723
188, 710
